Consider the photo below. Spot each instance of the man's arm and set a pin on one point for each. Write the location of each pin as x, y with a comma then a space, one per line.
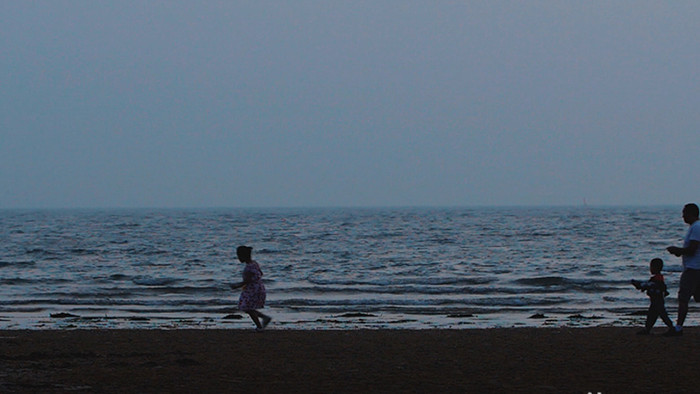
689, 251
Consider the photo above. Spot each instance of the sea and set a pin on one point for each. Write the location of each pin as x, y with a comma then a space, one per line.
336, 268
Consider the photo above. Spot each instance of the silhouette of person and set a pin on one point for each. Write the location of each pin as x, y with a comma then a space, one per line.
690, 256
655, 288
254, 293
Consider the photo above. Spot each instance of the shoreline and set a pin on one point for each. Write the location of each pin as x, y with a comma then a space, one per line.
600, 359
350, 320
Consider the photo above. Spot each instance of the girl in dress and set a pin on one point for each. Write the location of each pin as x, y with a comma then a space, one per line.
253, 294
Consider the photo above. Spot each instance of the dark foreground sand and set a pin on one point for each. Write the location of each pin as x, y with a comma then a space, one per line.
606, 360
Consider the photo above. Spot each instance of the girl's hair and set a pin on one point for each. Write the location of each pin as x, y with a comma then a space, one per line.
244, 252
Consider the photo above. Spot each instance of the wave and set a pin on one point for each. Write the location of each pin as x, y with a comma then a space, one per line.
403, 281
29, 281
436, 290
119, 277
151, 281
17, 263
107, 302
490, 301
562, 281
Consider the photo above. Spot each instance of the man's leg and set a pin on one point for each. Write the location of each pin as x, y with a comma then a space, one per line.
686, 289
682, 312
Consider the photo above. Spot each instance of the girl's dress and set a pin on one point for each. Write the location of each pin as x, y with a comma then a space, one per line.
253, 294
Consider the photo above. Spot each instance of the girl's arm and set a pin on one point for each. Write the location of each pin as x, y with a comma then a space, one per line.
247, 278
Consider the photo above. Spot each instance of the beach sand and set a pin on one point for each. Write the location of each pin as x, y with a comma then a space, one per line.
542, 360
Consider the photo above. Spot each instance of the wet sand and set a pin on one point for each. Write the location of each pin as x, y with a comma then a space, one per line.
548, 360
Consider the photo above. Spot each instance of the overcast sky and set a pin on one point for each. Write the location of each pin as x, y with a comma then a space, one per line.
348, 103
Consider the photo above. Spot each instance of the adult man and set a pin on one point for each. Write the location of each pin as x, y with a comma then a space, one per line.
690, 278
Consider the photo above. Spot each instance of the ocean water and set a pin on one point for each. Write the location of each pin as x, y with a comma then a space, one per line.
416, 268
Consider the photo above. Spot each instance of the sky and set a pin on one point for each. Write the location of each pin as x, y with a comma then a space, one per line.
348, 103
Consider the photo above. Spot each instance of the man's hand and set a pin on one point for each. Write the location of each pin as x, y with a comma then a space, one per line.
675, 250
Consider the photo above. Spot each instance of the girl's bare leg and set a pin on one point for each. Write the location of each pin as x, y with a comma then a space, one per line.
265, 319
254, 315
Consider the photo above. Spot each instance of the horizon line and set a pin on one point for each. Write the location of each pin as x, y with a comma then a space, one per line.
282, 207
